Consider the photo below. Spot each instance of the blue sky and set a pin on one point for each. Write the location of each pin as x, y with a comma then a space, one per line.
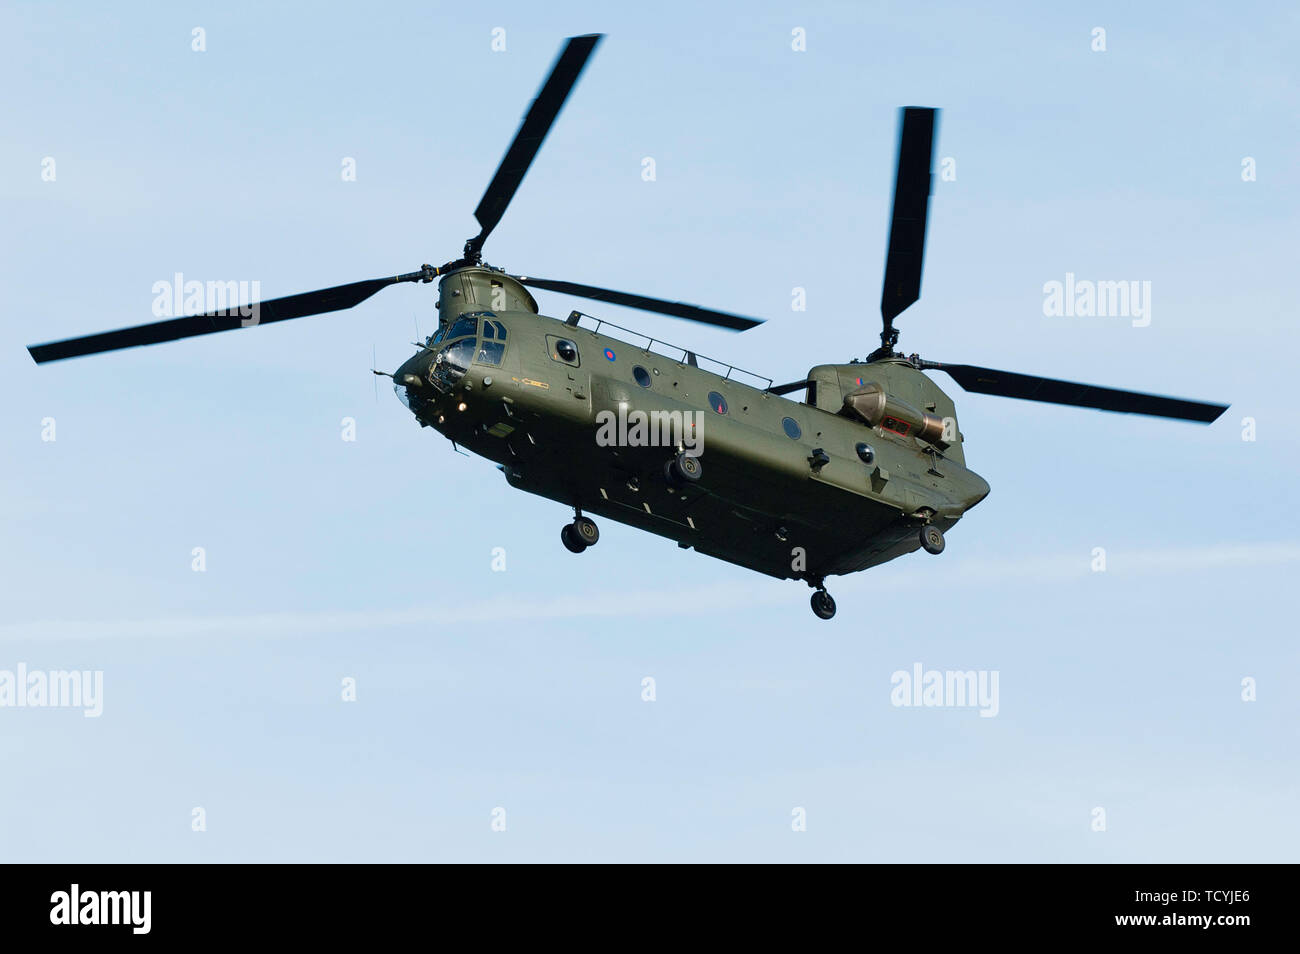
521, 689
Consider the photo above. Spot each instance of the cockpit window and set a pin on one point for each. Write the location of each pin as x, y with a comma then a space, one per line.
459, 354
451, 363
490, 352
464, 325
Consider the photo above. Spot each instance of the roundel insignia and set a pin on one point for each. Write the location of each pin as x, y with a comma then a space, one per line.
609, 354
859, 380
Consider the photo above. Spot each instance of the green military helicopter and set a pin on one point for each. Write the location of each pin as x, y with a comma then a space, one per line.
869, 466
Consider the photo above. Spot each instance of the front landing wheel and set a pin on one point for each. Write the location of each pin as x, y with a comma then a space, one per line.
571, 541
682, 471
586, 531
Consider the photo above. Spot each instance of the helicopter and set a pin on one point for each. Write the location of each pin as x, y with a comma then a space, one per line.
867, 467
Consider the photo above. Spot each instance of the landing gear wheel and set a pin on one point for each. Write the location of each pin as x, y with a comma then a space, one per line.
823, 604
683, 470
932, 539
586, 532
570, 539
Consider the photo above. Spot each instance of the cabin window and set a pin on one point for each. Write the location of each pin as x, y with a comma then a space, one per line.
642, 376
717, 402
791, 428
564, 350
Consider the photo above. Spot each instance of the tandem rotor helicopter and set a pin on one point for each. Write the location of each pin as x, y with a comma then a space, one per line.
869, 466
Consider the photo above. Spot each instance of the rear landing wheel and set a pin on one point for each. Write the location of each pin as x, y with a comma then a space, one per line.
823, 604
932, 539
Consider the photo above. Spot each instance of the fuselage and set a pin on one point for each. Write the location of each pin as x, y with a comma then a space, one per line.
794, 489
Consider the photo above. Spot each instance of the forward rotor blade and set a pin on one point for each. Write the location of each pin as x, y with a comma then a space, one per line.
1028, 387
675, 308
277, 309
787, 388
906, 252
528, 140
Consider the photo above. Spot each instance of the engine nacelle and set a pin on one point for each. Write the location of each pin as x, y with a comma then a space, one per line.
872, 404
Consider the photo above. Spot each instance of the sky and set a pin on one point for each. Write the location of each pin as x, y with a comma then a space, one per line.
1146, 712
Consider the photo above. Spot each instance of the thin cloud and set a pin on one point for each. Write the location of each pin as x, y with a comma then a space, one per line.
689, 601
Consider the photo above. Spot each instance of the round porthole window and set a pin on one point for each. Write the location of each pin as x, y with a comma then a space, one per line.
717, 402
642, 376
791, 428
866, 453
567, 350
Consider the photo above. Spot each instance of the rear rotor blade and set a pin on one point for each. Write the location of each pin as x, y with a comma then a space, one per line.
906, 252
263, 313
677, 309
1029, 387
528, 140
788, 388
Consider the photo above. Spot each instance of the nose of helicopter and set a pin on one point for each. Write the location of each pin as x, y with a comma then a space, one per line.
409, 380
411, 373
